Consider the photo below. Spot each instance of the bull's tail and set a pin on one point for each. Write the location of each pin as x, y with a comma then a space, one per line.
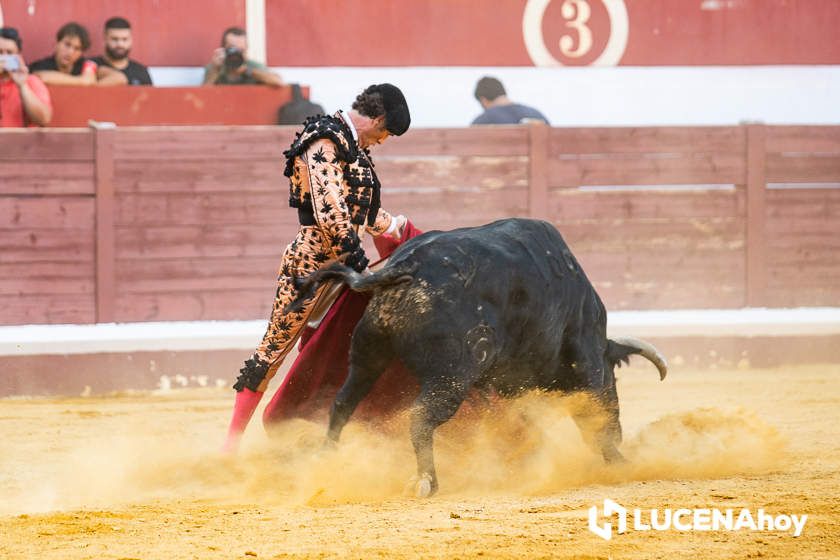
346, 275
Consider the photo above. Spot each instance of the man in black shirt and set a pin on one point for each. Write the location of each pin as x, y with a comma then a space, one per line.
67, 65
498, 109
115, 68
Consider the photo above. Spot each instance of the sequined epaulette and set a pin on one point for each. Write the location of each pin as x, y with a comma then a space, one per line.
363, 188
319, 127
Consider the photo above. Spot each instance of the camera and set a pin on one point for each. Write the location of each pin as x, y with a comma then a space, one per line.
10, 62
233, 58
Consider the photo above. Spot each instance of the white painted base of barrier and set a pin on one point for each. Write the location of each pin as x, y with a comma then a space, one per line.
31, 340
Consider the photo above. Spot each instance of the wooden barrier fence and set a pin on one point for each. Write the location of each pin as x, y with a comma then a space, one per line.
188, 223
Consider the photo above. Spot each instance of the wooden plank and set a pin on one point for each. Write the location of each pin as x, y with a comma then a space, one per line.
46, 286
803, 139
697, 295
467, 171
496, 141
666, 278
57, 245
431, 208
269, 142
804, 253
667, 274
823, 232
222, 208
538, 171
46, 177
203, 143
47, 269
756, 271
647, 169
196, 306
664, 263
105, 238
46, 308
164, 174
814, 297
807, 168
231, 280
638, 140
202, 241
803, 227
571, 204
166, 275
795, 277
814, 204
653, 235
45, 212
46, 144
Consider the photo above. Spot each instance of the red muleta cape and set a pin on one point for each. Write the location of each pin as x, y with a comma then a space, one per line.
320, 369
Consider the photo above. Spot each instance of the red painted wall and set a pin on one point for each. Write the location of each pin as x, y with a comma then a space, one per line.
73, 106
457, 32
182, 33
480, 33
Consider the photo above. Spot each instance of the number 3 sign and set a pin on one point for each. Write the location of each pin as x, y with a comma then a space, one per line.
577, 39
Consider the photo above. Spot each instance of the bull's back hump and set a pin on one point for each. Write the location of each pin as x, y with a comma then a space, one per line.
504, 241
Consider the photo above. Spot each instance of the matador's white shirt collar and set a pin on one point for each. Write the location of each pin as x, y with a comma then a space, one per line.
350, 124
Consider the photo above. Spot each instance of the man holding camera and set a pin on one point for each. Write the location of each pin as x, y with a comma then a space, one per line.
24, 99
230, 64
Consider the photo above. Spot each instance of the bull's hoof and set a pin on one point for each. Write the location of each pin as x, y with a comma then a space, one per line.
425, 487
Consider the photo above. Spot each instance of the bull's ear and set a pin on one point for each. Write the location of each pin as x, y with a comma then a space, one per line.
618, 353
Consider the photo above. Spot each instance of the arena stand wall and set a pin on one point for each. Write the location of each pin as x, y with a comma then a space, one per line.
171, 223
188, 223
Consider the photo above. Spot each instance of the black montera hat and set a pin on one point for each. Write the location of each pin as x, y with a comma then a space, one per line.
397, 117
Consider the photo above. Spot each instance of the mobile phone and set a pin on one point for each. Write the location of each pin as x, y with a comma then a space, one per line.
10, 62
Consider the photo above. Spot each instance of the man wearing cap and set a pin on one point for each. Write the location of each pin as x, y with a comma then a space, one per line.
335, 190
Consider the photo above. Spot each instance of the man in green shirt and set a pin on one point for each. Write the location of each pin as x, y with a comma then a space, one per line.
230, 64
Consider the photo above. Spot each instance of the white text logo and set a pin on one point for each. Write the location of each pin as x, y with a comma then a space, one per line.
683, 519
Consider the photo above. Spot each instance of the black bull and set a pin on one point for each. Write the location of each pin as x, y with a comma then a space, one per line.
503, 307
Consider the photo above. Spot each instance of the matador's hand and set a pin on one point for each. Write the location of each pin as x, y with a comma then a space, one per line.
400, 229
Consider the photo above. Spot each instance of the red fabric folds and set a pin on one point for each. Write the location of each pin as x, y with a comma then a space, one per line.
320, 369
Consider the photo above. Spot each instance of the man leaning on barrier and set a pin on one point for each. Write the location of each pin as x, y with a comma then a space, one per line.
67, 66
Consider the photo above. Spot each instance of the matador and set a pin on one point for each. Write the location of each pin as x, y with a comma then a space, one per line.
335, 190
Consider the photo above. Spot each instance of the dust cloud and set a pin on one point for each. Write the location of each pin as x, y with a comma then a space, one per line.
527, 446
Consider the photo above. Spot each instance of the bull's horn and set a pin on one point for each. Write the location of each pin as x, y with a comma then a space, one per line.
648, 351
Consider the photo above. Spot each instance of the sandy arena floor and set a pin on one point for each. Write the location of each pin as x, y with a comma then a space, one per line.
137, 476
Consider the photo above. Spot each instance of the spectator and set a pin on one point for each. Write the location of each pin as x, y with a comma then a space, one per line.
24, 99
498, 109
67, 66
230, 64
114, 67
